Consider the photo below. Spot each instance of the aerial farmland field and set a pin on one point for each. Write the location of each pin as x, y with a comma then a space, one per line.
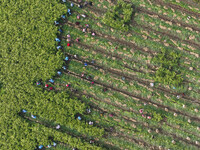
100, 75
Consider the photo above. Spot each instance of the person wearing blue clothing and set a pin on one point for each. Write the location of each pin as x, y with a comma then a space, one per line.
51, 80
60, 30
34, 117
79, 118
64, 67
40, 147
67, 58
69, 11
63, 16
56, 22
59, 73
92, 61
24, 111
38, 83
54, 144
59, 47
72, 4
85, 64
64, 1
57, 40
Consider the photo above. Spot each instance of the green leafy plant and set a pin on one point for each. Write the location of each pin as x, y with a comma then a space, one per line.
119, 16
168, 71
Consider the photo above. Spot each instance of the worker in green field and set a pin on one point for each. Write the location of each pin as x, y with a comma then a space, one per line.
90, 123
56, 23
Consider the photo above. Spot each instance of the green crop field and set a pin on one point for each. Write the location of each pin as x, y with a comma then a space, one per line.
101, 75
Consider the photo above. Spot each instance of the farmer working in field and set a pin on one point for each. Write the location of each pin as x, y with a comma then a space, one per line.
57, 40
56, 22
59, 47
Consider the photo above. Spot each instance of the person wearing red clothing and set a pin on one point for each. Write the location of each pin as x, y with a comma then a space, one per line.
46, 85
67, 85
68, 44
92, 82
51, 88
111, 115
82, 75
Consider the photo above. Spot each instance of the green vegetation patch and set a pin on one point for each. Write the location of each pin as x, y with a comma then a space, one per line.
28, 53
168, 72
119, 16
